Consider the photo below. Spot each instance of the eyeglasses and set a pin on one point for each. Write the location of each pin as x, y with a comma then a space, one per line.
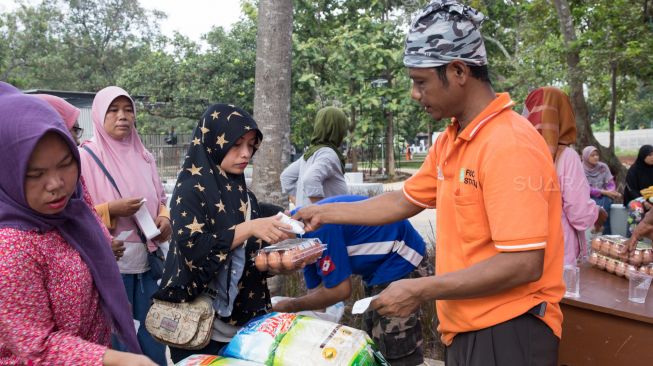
78, 131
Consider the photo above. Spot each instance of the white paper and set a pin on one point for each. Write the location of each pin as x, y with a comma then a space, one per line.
297, 227
124, 235
145, 222
362, 305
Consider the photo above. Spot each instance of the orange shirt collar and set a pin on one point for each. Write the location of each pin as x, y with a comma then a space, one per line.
501, 102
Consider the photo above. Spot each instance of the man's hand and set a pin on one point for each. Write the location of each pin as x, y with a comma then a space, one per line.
310, 215
284, 306
399, 299
163, 224
600, 220
125, 207
118, 248
643, 230
647, 206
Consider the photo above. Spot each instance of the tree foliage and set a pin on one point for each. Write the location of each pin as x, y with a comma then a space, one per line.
339, 47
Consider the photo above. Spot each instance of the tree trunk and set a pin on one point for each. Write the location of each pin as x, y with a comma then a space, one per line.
272, 97
353, 151
585, 136
613, 102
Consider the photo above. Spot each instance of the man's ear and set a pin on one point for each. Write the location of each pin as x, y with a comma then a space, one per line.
459, 72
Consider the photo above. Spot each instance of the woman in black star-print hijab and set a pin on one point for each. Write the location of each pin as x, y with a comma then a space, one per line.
213, 245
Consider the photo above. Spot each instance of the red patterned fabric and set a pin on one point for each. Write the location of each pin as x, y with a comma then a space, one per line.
50, 311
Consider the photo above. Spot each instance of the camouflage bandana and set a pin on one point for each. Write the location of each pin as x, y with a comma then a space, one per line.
445, 31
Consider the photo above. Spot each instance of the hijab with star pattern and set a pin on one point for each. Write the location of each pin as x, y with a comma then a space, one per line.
206, 205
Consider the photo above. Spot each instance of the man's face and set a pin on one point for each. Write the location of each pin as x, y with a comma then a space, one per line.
430, 92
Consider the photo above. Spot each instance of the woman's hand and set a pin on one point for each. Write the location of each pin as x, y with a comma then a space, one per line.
118, 247
117, 358
125, 207
612, 194
163, 224
600, 220
269, 229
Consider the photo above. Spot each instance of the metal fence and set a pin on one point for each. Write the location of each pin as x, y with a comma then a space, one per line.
169, 158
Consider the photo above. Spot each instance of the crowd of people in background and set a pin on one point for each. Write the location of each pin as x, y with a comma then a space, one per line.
72, 294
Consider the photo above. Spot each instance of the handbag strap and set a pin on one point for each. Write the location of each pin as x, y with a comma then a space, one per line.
113, 183
104, 169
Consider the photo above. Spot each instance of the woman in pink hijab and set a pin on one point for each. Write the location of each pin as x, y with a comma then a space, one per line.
118, 147
67, 111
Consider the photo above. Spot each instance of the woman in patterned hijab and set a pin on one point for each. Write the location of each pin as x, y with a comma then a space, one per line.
213, 243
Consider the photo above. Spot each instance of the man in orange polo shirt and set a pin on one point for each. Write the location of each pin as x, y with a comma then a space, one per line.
499, 250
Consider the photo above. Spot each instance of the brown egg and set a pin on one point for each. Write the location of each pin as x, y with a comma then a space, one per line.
623, 256
636, 258
630, 268
261, 261
593, 258
596, 243
600, 262
288, 260
610, 265
614, 250
605, 246
647, 256
317, 252
620, 270
274, 261
643, 269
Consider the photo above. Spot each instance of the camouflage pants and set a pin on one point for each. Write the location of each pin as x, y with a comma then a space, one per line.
399, 339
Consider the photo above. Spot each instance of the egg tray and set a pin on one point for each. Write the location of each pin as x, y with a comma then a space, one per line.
615, 266
614, 247
291, 254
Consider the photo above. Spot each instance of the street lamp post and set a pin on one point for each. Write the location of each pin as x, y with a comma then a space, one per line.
388, 161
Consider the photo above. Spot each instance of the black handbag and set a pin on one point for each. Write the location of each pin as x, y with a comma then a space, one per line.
155, 259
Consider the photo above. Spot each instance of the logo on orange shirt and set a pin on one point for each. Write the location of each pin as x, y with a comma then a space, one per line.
468, 176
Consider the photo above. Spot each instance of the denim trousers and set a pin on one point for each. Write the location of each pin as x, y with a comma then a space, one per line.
140, 288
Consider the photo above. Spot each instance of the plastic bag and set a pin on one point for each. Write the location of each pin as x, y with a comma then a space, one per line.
282, 339
332, 313
210, 360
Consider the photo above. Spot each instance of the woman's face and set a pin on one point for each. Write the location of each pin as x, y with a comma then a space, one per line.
238, 156
119, 120
649, 159
51, 177
593, 158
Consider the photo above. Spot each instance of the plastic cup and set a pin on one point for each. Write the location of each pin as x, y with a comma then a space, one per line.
571, 275
638, 285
